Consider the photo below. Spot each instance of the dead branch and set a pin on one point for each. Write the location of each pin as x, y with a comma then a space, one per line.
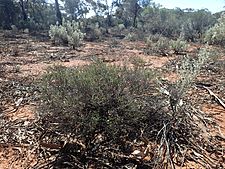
216, 97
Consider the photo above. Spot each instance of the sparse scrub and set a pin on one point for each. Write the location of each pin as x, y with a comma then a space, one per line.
153, 38
189, 69
137, 62
121, 27
179, 46
216, 34
188, 32
94, 32
185, 119
67, 33
158, 44
131, 37
114, 43
107, 105
163, 44
97, 98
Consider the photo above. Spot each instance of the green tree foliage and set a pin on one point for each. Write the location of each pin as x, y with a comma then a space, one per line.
216, 34
76, 9
129, 11
7, 13
189, 24
161, 21
196, 23
143, 15
34, 15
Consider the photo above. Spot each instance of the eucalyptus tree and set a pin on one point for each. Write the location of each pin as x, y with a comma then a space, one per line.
7, 13
77, 8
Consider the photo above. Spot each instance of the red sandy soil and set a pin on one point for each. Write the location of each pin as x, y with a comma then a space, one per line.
44, 54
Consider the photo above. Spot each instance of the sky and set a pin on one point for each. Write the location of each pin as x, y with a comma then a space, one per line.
212, 5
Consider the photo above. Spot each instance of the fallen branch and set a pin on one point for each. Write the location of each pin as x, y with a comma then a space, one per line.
216, 97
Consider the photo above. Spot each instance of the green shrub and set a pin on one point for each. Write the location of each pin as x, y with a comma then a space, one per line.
216, 34
67, 33
131, 37
137, 62
94, 32
121, 27
112, 109
96, 98
179, 45
154, 38
162, 45
158, 44
190, 68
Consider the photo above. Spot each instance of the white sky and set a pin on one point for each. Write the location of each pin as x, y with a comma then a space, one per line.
213, 5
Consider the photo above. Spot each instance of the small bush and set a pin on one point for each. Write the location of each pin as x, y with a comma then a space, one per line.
153, 38
190, 68
67, 33
96, 98
179, 45
188, 32
121, 27
93, 32
158, 44
216, 34
14, 29
163, 44
131, 37
137, 62
115, 109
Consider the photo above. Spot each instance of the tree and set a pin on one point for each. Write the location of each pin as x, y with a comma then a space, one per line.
216, 34
58, 13
24, 6
7, 13
132, 10
76, 8
196, 23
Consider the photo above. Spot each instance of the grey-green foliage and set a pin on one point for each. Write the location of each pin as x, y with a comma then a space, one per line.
190, 68
188, 32
96, 97
131, 37
153, 38
162, 44
7, 13
216, 34
178, 45
67, 33
195, 24
158, 44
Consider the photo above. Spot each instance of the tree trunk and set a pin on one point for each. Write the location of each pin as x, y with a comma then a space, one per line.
135, 15
24, 14
58, 13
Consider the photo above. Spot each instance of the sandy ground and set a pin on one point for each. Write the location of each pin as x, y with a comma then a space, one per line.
30, 58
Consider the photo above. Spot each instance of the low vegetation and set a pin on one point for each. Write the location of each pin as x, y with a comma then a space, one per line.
216, 34
116, 109
97, 98
179, 46
104, 105
67, 33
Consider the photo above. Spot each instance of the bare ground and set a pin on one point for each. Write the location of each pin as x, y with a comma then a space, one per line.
26, 58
